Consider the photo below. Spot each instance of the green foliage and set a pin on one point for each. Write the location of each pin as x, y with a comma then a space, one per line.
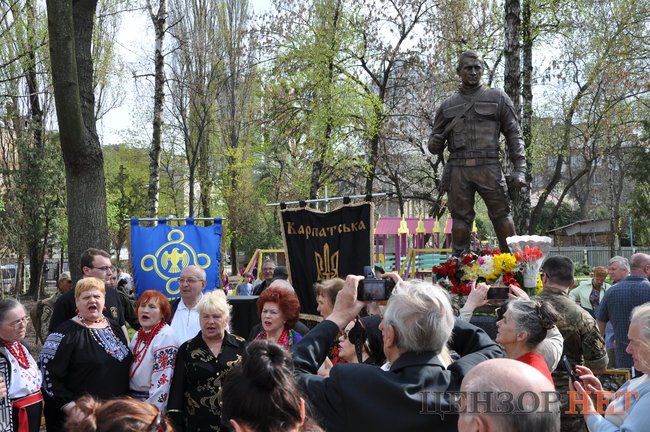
32, 217
582, 269
565, 216
318, 111
637, 168
127, 176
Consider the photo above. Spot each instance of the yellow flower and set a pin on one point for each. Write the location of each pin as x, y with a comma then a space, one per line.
504, 262
471, 271
540, 286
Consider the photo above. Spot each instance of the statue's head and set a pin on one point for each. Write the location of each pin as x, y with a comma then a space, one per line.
474, 55
470, 68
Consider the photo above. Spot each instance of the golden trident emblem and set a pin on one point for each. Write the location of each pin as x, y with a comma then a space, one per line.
326, 264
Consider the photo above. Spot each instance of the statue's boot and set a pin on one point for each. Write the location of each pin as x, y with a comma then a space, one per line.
460, 236
504, 228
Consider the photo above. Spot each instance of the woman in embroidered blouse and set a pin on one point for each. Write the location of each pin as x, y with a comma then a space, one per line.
628, 408
279, 310
87, 354
522, 327
24, 377
154, 349
201, 364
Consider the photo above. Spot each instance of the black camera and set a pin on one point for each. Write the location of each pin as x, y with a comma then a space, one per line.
498, 293
372, 288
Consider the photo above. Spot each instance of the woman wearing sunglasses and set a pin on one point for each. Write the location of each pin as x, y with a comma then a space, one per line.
360, 342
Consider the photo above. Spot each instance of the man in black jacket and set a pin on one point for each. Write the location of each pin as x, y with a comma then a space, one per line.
267, 273
418, 391
94, 263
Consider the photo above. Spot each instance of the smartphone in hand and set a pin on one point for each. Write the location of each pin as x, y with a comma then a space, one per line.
566, 365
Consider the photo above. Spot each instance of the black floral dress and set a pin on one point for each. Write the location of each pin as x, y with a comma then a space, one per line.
194, 397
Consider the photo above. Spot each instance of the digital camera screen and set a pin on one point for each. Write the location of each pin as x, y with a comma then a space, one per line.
372, 290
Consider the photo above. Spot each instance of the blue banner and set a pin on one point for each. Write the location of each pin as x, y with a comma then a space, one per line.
158, 254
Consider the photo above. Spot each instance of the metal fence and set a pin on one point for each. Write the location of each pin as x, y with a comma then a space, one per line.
594, 256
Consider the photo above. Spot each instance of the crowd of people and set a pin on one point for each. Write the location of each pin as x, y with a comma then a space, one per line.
413, 366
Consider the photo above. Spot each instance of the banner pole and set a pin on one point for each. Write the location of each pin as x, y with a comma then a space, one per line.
389, 194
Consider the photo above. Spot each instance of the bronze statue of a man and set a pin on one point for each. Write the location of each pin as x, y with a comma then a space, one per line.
470, 123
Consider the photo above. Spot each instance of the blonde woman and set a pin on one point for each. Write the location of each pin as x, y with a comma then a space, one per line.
201, 364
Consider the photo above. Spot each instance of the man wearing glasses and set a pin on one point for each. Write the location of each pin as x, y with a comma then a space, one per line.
94, 263
185, 317
267, 272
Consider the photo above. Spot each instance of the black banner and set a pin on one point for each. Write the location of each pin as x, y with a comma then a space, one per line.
326, 245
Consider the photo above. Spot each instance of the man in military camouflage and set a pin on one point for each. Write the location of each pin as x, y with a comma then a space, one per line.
583, 343
470, 123
42, 313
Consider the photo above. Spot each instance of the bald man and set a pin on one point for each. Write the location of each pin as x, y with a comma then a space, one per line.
534, 407
185, 317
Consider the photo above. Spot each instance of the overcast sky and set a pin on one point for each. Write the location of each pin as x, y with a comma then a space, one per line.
134, 45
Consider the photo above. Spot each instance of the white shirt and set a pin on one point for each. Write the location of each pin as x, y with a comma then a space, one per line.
185, 322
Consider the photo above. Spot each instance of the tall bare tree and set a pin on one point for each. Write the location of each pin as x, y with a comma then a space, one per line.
235, 113
196, 74
70, 27
159, 21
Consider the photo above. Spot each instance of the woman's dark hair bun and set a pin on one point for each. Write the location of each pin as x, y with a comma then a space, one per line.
266, 365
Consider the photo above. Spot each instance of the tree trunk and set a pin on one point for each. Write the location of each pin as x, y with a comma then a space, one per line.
233, 257
512, 87
191, 181
31, 161
159, 21
565, 191
522, 204
36, 262
615, 190
70, 31
373, 153
511, 64
20, 274
317, 167
204, 177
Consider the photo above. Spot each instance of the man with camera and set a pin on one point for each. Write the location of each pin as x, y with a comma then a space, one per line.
414, 393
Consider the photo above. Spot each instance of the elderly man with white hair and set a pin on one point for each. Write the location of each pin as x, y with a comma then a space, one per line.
414, 394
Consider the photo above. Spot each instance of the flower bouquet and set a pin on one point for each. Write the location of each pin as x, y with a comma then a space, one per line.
530, 250
520, 268
458, 274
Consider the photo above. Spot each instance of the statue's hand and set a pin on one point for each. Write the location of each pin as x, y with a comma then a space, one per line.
436, 144
517, 180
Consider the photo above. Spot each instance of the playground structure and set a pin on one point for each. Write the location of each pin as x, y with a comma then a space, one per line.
258, 257
412, 246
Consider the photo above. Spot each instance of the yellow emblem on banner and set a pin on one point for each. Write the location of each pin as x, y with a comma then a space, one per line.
326, 264
171, 257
